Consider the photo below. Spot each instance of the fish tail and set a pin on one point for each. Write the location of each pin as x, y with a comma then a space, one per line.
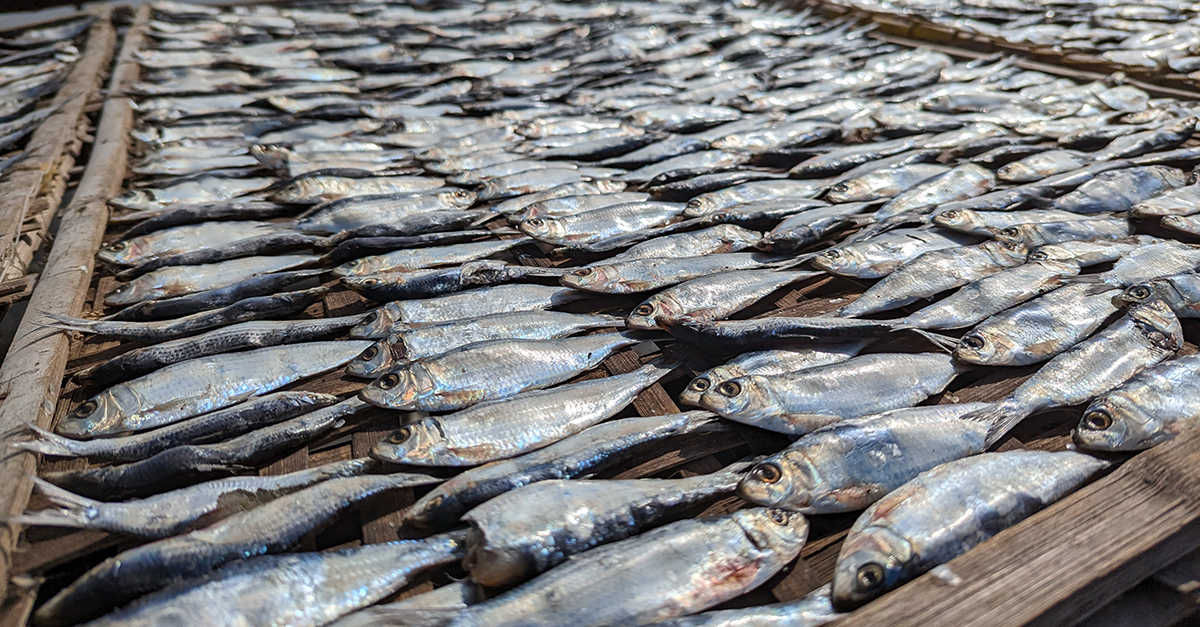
788, 264
68, 322
943, 342
1001, 417
47, 443
72, 509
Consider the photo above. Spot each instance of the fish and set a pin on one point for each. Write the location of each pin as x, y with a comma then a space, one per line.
418, 258
1181, 201
272, 527
1043, 233
427, 283
1153, 407
490, 370
341, 581
935, 272
182, 465
1143, 337
845, 158
506, 545
461, 306
189, 388
711, 297
355, 212
988, 223
317, 189
645, 275
1090, 253
810, 610
946, 511
849, 465
232, 421
1179, 292
179, 511
601, 224
452, 596
1121, 189
882, 254
242, 311
800, 402
571, 205
145, 202
435, 339
964, 181
589, 451
700, 556
183, 280
760, 332
182, 306
768, 362
181, 239
977, 301
1040, 165
1148, 262
507, 427
750, 192
723, 238
1182, 224
883, 183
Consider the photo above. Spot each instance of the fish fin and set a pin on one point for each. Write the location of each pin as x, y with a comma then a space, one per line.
68, 322
943, 342
72, 509
1001, 418
1096, 279
788, 264
45, 442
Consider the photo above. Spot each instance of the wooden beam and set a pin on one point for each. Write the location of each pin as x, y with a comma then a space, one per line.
30, 187
1067, 561
32, 371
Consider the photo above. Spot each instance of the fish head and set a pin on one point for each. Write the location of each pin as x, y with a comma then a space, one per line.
133, 199
736, 396
590, 278
773, 530
964, 220
400, 388
985, 347
737, 237
379, 323
417, 443
379, 358
1052, 252
1006, 254
1117, 422
873, 560
645, 316
543, 228
461, 198
699, 206
122, 253
781, 480
1143, 292
1018, 233
441, 506
133, 292
101, 414
272, 157
705, 381
359, 267
296, 191
609, 186
845, 261
1159, 323
366, 285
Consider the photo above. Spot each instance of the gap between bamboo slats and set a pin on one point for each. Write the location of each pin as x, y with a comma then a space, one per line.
31, 375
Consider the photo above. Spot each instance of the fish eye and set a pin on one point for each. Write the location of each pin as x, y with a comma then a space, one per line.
122, 289
767, 472
436, 501
1011, 231
831, 253
582, 272
973, 342
399, 435
353, 263
370, 353
1013, 246
694, 204
1039, 255
869, 576
371, 317
950, 215
645, 309
535, 222
840, 187
86, 409
779, 517
699, 384
389, 381
1138, 292
372, 282
1097, 420
462, 193
729, 388
118, 247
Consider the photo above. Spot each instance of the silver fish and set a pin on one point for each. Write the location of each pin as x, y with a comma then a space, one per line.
850, 464
1151, 408
418, 258
358, 211
964, 181
180, 280
1040, 165
987, 223
1118, 190
992, 294
434, 339
1090, 253
316, 189
1152, 261
811, 610
600, 224
1146, 335
1044, 233
1181, 201
645, 275
882, 254
800, 402
1181, 292
490, 370
511, 426
883, 183
712, 297
461, 306
750, 192
181, 239
935, 272
193, 387
723, 238
768, 362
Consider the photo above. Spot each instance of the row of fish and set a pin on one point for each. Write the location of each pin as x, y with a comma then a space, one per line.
657, 172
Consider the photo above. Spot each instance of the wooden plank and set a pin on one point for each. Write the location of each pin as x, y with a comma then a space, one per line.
1065, 562
31, 375
1170, 596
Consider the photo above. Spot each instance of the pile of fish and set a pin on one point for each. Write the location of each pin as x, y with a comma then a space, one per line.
520, 191
33, 64
1161, 36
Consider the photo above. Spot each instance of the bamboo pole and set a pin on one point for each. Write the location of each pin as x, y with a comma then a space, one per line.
32, 371
29, 188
